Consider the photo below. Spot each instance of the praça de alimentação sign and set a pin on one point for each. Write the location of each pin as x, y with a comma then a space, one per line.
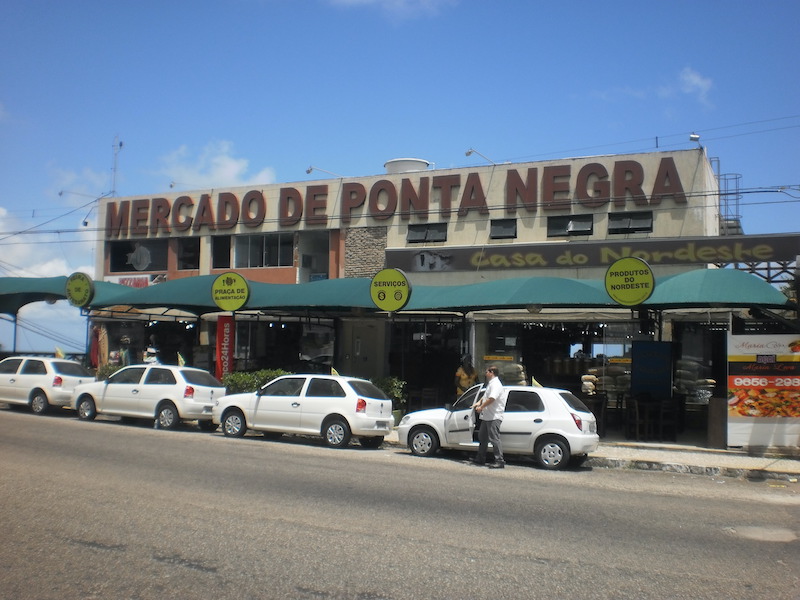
230, 291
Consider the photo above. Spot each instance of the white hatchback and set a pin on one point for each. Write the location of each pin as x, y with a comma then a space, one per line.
166, 393
40, 382
331, 406
552, 425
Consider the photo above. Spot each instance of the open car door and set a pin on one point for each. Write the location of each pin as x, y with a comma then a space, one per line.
459, 423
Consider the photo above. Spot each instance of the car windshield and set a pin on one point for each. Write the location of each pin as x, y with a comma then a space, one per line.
368, 390
467, 399
70, 368
574, 402
198, 377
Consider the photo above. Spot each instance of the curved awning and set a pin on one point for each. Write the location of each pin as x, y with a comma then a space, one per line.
700, 288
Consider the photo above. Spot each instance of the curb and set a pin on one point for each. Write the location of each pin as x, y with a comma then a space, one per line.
649, 465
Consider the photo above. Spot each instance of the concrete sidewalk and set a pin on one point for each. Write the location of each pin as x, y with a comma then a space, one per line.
685, 459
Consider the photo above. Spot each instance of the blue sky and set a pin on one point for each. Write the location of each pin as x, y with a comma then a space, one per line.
205, 93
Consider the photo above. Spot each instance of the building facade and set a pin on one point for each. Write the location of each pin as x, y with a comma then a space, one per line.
560, 218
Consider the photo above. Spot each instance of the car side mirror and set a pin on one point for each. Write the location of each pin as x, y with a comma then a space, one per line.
448, 407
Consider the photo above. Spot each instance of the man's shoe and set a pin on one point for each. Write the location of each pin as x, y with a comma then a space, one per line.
498, 465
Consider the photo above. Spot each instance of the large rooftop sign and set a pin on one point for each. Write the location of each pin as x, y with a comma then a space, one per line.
553, 187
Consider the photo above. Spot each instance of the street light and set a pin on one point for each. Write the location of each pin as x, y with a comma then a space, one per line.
313, 168
472, 150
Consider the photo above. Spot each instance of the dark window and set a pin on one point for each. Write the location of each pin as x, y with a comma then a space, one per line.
570, 225
221, 252
284, 387
140, 255
70, 368
268, 250
160, 377
574, 402
325, 388
630, 222
368, 390
188, 253
468, 398
503, 229
522, 401
198, 377
34, 367
129, 376
432, 232
10, 366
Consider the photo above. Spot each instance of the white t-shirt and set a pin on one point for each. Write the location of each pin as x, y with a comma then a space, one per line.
495, 410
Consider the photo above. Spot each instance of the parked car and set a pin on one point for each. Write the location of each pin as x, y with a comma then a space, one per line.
40, 382
169, 394
552, 425
331, 406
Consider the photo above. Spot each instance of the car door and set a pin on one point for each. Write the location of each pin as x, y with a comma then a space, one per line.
159, 383
9, 379
459, 422
523, 418
322, 397
121, 393
32, 374
278, 405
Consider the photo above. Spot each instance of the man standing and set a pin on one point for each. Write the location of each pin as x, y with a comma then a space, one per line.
490, 410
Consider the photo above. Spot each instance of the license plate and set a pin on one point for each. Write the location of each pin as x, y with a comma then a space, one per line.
381, 424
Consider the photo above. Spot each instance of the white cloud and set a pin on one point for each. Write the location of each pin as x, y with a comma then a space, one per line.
400, 8
693, 83
215, 166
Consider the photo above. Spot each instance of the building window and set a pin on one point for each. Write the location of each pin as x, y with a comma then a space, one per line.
268, 250
503, 229
570, 225
137, 255
630, 222
221, 252
432, 232
188, 254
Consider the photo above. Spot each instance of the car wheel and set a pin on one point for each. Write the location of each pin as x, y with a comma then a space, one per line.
207, 425
233, 423
167, 416
423, 441
86, 409
371, 442
552, 454
39, 404
337, 433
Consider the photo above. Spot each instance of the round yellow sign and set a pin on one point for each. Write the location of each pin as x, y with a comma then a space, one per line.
390, 290
79, 289
230, 291
630, 281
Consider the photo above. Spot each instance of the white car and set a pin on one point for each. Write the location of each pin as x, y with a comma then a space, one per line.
552, 425
167, 393
331, 406
40, 382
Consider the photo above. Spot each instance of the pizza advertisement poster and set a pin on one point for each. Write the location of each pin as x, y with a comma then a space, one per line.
764, 389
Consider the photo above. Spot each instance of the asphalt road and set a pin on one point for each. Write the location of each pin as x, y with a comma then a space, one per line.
104, 510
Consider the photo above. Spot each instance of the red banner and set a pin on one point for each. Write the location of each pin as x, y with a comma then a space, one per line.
226, 342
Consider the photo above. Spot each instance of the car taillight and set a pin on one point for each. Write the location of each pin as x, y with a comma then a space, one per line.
578, 421
188, 392
57, 381
361, 405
